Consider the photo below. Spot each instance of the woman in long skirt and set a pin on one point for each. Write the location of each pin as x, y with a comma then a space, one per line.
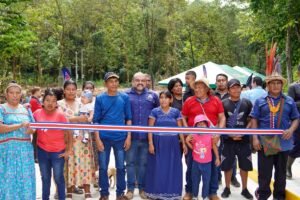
164, 169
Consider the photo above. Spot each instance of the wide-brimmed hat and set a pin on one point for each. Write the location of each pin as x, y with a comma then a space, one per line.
201, 118
202, 80
275, 77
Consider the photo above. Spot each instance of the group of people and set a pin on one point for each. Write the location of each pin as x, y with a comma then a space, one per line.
150, 162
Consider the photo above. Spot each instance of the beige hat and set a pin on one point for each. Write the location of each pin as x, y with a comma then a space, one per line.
275, 77
12, 85
202, 80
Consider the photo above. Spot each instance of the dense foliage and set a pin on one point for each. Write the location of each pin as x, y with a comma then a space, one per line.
160, 37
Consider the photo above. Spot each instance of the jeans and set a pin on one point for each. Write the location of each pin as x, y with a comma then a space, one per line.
265, 169
201, 170
136, 163
119, 152
214, 182
188, 173
47, 162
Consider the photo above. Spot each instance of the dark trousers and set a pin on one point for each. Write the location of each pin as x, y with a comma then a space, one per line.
265, 169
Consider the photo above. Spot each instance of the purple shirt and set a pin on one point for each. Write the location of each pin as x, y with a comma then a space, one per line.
141, 106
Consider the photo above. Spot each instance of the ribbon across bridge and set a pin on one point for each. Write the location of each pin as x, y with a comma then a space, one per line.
154, 129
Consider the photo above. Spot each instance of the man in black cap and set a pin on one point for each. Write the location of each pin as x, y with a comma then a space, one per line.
236, 112
112, 108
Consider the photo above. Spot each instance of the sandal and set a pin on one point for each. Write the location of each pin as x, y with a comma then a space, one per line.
88, 196
77, 190
69, 195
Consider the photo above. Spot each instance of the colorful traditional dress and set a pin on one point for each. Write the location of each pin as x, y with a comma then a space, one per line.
80, 169
17, 172
164, 168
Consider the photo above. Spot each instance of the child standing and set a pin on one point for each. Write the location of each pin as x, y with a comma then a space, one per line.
202, 146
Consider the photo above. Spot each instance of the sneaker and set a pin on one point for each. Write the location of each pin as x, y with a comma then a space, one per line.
245, 193
129, 194
235, 182
226, 193
142, 194
187, 196
122, 197
103, 198
195, 198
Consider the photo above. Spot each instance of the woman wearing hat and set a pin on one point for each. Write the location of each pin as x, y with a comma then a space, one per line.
17, 174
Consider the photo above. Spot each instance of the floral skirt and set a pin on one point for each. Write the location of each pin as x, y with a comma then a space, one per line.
80, 168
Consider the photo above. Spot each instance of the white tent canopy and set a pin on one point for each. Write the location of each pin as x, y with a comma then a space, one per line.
213, 70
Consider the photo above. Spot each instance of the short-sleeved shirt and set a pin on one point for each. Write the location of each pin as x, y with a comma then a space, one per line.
162, 118
141, 106
261, 112
254, 94
202, 145
35, 104
51, 140
241, 118
212, 107
112, 110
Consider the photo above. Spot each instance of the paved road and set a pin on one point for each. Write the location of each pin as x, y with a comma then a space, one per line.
292, 185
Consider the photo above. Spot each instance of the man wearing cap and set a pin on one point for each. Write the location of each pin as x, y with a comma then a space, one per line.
210, 106
142, 102
236, 111
273, 111
294, 92
112, 108
222, 93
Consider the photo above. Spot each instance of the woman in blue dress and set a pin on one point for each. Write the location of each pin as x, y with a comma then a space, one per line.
17, 172
164, 168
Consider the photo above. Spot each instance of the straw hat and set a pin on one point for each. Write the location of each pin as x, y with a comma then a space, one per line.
202, 80
275, 77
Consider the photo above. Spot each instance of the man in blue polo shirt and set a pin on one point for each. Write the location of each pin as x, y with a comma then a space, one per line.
142, 102
273, 111
113, 108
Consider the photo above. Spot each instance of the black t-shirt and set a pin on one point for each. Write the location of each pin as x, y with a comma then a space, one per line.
177, 103
241, 118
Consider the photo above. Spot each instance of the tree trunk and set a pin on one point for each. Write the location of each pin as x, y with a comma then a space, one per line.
288, 56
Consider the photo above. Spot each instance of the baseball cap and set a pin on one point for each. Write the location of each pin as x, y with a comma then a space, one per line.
233, 82
109, 75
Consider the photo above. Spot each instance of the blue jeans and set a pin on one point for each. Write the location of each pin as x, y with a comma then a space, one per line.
119, 152
136, 162
214, 182
47, 162
188, 173
201, 170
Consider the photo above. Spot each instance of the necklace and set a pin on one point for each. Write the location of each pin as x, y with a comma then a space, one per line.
273, 111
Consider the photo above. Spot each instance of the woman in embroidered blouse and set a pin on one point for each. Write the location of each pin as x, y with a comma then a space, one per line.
17, 174
80, 166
